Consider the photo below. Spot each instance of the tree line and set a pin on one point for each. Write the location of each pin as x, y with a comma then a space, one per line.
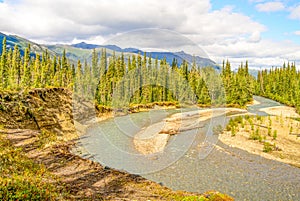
140, 80
38, 71
119, 80
239, 86
280, 84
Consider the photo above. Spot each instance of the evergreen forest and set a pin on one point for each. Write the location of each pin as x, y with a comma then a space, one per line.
116, 81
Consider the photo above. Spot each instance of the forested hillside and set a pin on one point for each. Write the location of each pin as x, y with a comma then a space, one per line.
20, 72
116, 81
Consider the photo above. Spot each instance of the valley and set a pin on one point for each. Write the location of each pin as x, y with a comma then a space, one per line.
127, 124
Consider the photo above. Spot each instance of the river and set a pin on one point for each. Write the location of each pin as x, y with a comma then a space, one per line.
189, 162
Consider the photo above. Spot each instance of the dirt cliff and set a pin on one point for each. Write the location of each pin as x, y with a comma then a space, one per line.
37, 109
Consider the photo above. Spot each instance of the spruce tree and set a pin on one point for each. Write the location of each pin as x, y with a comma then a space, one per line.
26, 77
3, 66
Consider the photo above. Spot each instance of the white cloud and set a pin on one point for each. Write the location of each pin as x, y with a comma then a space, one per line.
58, 20
255, 37
295, 12
270, 6
265, 53
220, 26
222, 33
69, 19
297, 33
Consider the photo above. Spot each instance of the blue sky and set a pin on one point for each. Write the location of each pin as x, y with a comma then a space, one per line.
279, 25
264, 32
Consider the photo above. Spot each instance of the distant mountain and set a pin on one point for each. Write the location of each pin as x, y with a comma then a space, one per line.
87, 46
82, 51
180, 56
22, 43
84, 45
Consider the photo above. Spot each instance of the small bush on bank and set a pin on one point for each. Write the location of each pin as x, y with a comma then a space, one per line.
268, 147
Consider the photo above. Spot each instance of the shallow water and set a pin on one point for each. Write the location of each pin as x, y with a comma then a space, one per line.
264, 103
185, 165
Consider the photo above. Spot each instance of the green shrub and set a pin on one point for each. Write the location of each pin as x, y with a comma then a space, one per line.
2, 108
259, 118
232, 124
255, 135
260, 138
228, 127
270, 121
269, 131
243, 124
268, 147
247, 117
274, 134
233, 132
239, 119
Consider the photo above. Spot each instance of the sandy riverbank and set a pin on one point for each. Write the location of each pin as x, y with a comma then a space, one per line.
154, 138
287, 141
284, 111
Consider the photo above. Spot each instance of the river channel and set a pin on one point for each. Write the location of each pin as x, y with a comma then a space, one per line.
189, 161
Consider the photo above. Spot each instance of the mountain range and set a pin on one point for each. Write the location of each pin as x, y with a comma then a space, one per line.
83, 51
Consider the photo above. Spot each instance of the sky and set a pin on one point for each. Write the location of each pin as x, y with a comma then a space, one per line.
264, 32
